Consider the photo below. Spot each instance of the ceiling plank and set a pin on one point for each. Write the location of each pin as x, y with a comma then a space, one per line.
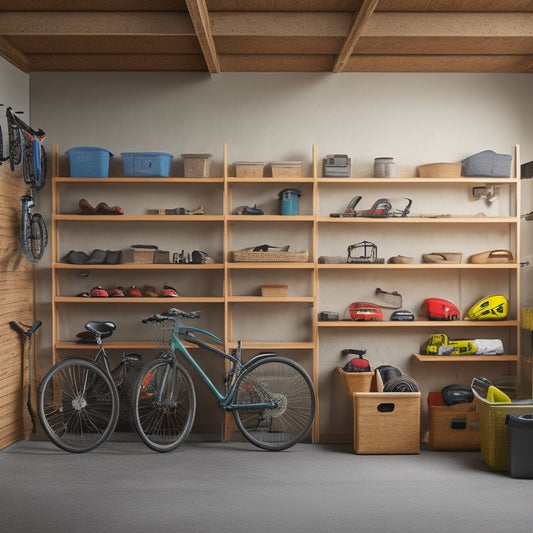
200, 21
356, 30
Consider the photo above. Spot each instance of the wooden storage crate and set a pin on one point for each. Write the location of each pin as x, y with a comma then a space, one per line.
493, 431
274, 290
386, 422
356, 381
452, 427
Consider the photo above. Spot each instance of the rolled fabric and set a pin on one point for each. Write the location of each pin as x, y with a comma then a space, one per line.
401, 383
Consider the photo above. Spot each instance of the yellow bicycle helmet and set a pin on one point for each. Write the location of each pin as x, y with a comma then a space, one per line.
494, 307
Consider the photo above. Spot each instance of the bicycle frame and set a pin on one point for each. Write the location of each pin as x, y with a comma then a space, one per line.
225, 400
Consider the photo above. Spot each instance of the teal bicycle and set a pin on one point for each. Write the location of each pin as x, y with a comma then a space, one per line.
272, 398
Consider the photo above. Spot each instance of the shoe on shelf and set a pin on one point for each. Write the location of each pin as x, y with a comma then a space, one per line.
168, 292
103, 209
98, 292
133, 292
97, 257
183, 211
85, 208
83, 294
75, 258
117, 292
149, 291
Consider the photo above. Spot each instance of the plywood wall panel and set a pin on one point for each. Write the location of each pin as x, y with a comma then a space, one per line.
16, 303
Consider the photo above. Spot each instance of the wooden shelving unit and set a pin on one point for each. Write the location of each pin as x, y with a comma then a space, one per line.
230, 289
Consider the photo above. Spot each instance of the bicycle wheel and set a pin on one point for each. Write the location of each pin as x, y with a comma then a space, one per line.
163, 404
78, 405
289, 385
34, 164
34, 237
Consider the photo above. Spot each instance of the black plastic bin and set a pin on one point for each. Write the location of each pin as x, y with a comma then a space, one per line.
520, 445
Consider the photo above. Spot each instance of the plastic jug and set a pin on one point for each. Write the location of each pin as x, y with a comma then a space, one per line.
289, 201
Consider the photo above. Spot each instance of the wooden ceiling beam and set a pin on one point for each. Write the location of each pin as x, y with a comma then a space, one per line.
356, 30
13, 55
200, 21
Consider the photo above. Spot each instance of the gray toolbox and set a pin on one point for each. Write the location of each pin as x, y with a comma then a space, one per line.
337, 166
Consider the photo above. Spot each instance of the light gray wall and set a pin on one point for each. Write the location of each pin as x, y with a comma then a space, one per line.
416, 118
14, 89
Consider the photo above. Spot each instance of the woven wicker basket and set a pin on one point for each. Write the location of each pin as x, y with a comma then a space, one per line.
493, 432
442, 257
356, 381
241, 256
440, 170
386, 422
492, 257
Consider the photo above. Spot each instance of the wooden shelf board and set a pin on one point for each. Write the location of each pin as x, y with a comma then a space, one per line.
418, 266
140, 266
265, 299
137, 218
479, 180
118, 345
269, 179
248, 265
268, 345
418, 220
270, 218
137, 180
417, 323
465, 358
171, 302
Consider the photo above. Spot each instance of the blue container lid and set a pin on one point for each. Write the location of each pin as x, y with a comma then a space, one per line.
90, 149
145, 154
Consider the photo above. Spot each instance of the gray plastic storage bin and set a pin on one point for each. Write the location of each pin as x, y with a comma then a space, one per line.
520, 445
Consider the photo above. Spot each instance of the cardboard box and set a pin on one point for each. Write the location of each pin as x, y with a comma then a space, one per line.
452, 427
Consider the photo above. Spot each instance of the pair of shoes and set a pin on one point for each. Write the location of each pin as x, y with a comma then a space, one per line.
85, 208
98, 292
96, 257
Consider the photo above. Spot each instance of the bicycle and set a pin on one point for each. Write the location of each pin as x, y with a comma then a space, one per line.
26, 143
272, 398
27, 332
33, 232
78, 400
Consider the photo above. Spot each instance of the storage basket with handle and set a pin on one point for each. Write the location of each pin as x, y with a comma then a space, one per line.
492, 257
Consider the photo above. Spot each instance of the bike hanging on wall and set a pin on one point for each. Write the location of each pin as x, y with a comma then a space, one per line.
25, 145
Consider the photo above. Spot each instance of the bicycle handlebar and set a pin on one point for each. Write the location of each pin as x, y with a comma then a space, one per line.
24, 329
171, 314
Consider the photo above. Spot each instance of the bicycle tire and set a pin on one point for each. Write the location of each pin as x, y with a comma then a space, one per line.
162, 417
34, 237
15, 147
78, 405
282, 427
33, 174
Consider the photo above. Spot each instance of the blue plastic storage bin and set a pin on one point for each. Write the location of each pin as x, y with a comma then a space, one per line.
89, 162
150, 164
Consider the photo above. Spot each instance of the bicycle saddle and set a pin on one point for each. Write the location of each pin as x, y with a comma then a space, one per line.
101, 329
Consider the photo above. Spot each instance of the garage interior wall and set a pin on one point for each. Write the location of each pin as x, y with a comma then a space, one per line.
16, 276
415, 118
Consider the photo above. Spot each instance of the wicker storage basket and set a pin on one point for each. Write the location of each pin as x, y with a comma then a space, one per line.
440, 170
493, 431
356, 381
286, 169
442, 257
138, 255
241, 256
492, 257
453, 427
386, 422
249, 169
274, 290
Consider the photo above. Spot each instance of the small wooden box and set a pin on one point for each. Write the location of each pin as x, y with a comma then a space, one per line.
386, 422
274, 290
452, 427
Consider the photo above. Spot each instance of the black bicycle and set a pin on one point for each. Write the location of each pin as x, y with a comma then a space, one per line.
25, 143
78, 402
33, 232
